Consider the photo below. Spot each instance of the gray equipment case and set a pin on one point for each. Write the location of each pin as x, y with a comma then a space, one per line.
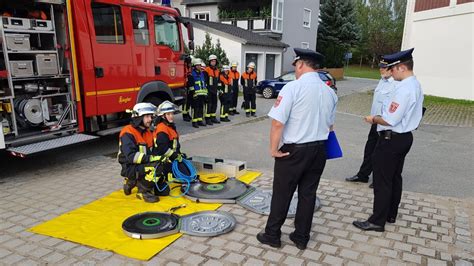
230, 168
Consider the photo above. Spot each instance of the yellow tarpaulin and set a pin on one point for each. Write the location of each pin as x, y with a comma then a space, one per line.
99, 224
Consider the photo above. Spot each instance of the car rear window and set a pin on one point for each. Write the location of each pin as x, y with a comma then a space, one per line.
323, 76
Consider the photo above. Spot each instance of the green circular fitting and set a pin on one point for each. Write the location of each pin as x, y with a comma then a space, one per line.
151, 222
215, 187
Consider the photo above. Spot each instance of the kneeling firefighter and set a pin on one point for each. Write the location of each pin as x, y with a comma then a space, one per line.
166, 143
135, 152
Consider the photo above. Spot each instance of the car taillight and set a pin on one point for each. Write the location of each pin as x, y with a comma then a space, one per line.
329, 83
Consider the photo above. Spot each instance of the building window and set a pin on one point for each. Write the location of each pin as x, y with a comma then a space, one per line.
107, 23
167, 33
305, 45
202, 15
277, 16
140, 28
307, 18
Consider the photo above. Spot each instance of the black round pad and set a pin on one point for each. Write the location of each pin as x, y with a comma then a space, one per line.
230, 189
150, 225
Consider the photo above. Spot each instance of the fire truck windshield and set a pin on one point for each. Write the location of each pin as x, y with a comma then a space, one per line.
167, 33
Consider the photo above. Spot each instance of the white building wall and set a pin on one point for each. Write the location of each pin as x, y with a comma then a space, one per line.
444, 49
232, 48
212, 9
262, 52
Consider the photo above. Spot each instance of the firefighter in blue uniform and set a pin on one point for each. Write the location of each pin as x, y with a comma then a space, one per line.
197, 88
303, 115
225, 93
401, 114
235, 75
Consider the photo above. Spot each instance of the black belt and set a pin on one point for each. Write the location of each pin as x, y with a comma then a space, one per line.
387, 134
307, 144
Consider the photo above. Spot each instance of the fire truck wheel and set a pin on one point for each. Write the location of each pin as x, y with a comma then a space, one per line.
153, 99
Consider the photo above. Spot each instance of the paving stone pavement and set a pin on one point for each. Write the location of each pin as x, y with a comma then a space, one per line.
436, 114
430, 230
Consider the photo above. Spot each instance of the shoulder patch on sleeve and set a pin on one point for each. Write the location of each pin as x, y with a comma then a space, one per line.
393, 107
277, 102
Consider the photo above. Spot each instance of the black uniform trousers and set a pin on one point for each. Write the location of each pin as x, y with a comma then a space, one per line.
388, 160
235, 97
225, 99
301, 169
211, 104
188, 101
366, 167
198, 108
250, 98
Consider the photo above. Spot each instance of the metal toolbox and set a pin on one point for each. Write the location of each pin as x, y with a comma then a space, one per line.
22, 68
16, 23
46, 64
230, 168
18, 42
39, 24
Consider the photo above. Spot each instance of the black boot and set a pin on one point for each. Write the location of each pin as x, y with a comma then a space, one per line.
247, 114
128, 185
148, 197
195, 124
225, 119
145, 191
208, 121
254, 115
201, 123
215, 121
236, 112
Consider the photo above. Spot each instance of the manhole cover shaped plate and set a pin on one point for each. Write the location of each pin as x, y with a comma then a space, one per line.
149, 225
226, 192
259, 200
207, 223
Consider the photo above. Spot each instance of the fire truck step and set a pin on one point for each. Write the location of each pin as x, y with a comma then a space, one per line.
109, 131
29, 149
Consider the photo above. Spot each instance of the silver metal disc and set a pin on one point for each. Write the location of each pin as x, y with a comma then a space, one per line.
207, 223
226, 192
33, 111
259, 201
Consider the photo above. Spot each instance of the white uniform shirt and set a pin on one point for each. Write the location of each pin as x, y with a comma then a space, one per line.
382, 92
403, 109
307, 108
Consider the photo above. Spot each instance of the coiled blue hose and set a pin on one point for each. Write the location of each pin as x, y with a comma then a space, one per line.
179, 176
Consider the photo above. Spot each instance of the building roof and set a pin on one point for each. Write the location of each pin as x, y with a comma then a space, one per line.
245, 36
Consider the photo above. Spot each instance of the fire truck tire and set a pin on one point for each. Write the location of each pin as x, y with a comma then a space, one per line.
153, 99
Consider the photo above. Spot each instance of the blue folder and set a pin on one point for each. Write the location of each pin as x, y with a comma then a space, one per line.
333, 150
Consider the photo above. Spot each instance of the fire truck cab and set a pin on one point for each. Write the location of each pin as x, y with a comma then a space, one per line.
74, 67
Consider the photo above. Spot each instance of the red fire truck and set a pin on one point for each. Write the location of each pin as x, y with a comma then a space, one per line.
69, 69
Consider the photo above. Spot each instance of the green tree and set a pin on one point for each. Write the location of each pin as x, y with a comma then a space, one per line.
381, 23
209, 48
337, 32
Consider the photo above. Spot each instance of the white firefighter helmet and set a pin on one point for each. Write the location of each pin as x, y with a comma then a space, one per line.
225, 67
166, 107
196, 61
234, 64
212, 57
251, 65
141, 109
